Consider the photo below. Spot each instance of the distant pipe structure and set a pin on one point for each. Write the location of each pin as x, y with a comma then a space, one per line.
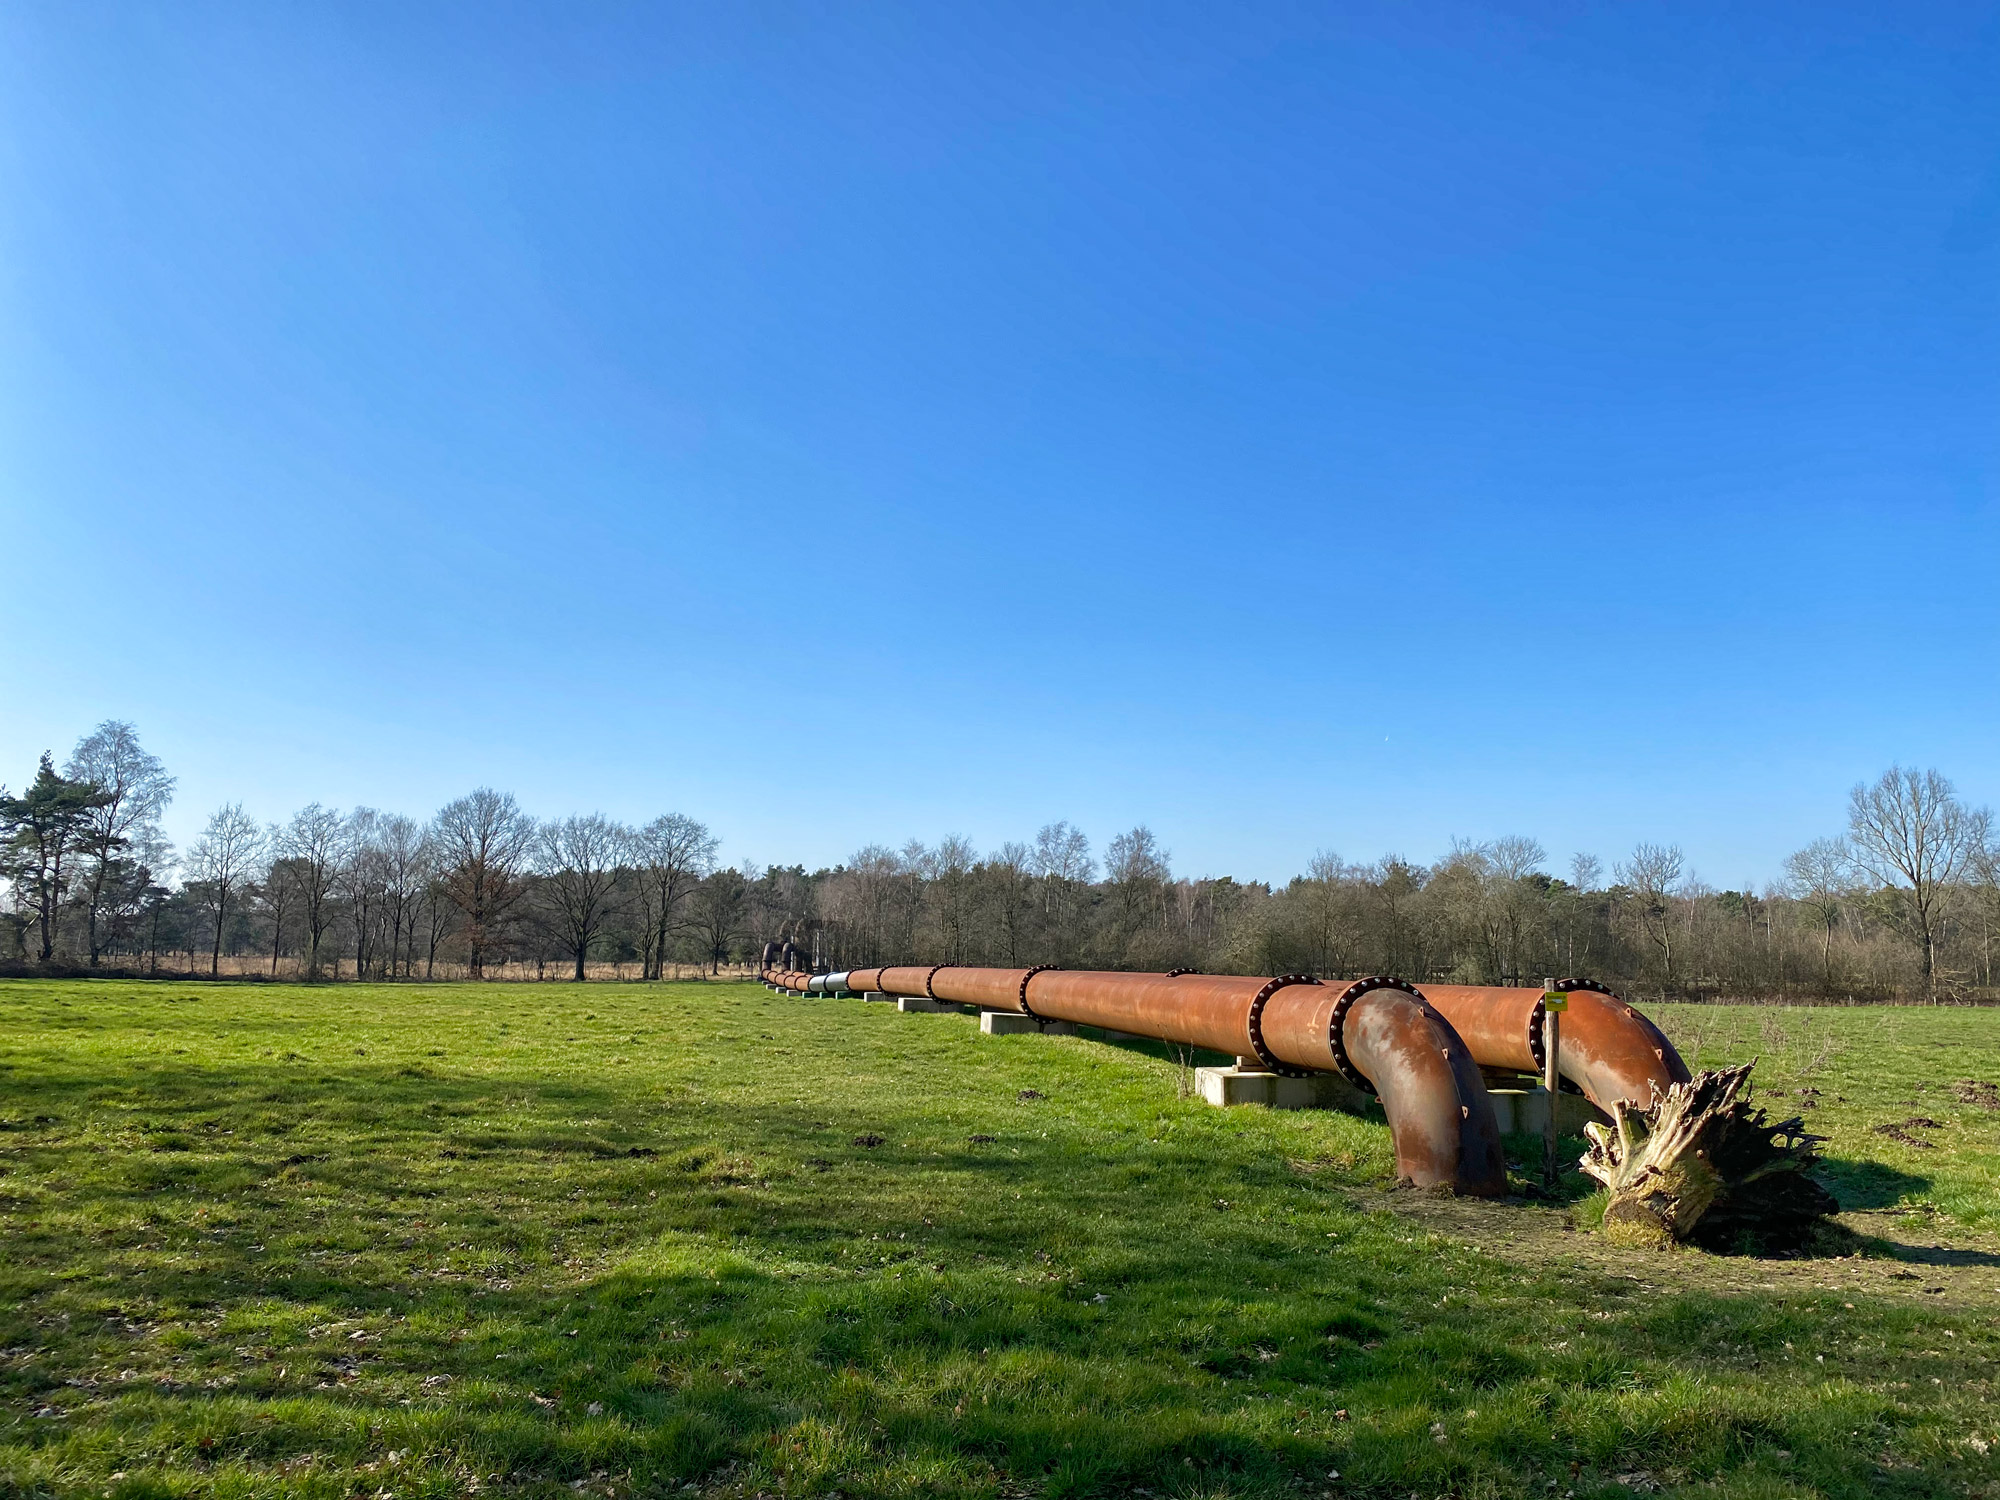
1380, 1034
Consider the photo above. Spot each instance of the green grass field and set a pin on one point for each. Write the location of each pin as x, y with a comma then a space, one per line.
403, 1241
1853, 1073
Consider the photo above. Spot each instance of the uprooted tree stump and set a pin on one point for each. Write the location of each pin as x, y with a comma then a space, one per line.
1704, 1165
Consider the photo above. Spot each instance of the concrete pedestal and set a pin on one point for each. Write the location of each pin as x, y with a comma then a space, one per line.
1526, 1111
1011, 1023
924, 1003
1226, 1086
877, 995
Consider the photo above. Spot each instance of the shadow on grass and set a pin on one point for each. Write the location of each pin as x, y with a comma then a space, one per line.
1926, 1255
1861, 1184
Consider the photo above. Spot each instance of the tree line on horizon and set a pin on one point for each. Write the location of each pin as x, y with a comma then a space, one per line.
1904, 903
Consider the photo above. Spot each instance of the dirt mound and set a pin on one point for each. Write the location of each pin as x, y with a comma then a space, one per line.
1900, 1131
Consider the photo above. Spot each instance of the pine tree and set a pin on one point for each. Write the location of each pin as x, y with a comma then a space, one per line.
38, 830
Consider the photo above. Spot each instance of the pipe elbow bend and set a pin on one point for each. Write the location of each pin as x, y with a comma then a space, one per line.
1445, 1131
1614, 1054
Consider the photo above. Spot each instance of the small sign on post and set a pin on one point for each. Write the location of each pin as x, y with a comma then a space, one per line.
1554, 1003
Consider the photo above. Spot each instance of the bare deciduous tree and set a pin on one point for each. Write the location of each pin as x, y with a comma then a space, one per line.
1585, 871
1515, 857
1137, 871
1063, 862
578, 859
311, 848
1326, 900
220, 861
718, 915
1010, 870
868, 902
276, 893
1513, 862
136, 789
1911, 834
1651, 874
406, 870
949, 869
484, 840
362, 875
672, 853
440, 912
1820, 877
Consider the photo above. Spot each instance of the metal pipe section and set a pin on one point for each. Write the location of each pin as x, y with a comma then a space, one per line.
1380, 1033
1609, 1051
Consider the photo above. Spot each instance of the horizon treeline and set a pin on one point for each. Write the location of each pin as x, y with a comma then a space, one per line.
1904, 902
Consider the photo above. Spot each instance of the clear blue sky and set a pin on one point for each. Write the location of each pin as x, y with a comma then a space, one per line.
1291, 427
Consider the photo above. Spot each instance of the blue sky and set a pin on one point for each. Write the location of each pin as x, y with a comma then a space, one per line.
1335, 427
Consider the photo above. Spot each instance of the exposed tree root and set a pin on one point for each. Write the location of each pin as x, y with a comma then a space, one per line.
1703, 1165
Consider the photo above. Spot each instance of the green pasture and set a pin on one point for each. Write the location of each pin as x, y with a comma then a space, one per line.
1908, 1100
399, 1241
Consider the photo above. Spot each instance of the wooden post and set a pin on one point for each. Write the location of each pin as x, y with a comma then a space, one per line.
1554, 1003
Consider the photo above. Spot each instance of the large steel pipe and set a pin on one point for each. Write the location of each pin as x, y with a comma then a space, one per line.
1608, 1050
1387, 1038
1380, 1034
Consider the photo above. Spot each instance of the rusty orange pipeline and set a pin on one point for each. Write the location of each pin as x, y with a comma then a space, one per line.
1379, 1033
1608, 1050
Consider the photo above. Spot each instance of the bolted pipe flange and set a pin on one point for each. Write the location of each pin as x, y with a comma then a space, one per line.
1256, 1023
1177, 973
1338, 1021
1587, 984
1023, 997
1535, 1044
930, 976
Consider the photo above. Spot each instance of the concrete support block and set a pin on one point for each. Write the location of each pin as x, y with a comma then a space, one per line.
1226, 1086
1011, 1023
1526, 1111
877, 995
924, 1003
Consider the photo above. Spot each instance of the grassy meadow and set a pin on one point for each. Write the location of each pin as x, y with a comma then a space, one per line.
399, 1241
